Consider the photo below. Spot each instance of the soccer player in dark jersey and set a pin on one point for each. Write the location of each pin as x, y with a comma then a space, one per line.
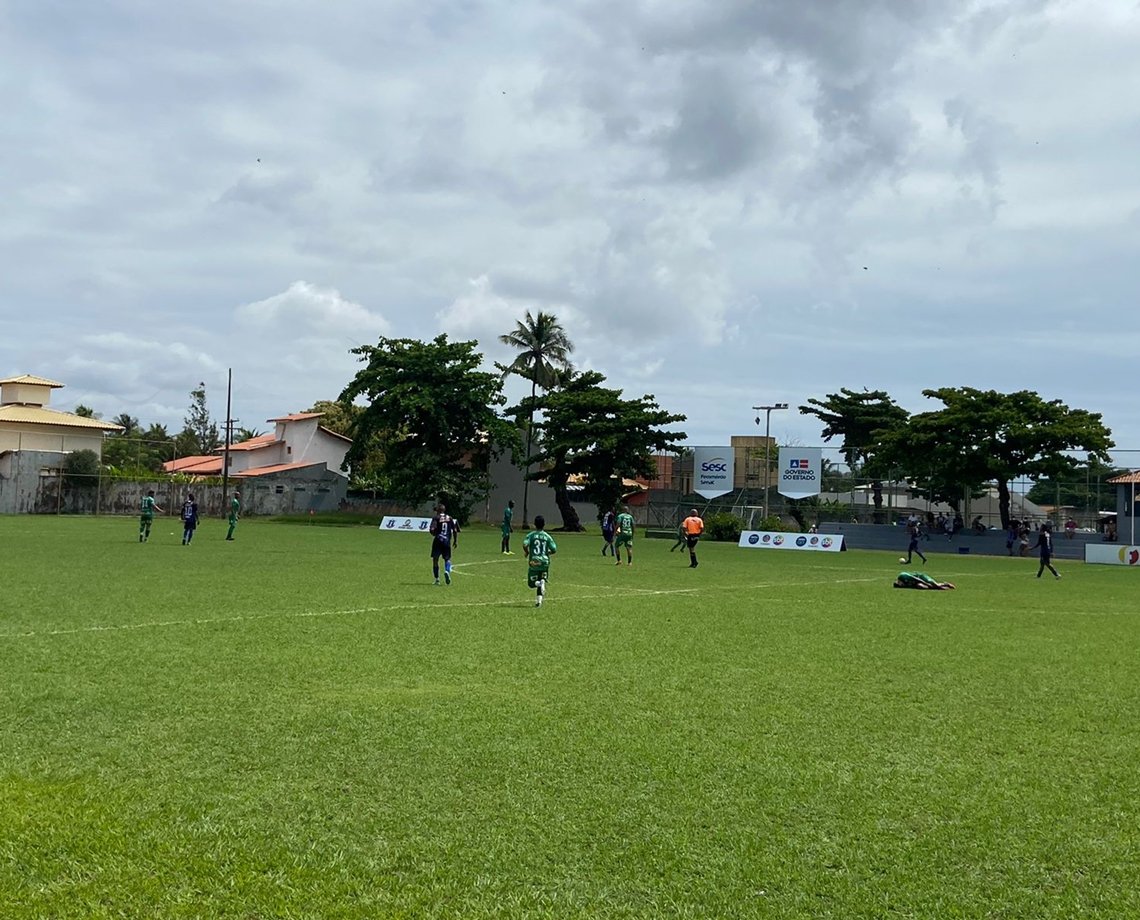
189, 519
912, 546
444, 530
609, 522
1045, 544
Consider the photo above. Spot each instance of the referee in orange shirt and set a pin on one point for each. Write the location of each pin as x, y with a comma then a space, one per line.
693, 527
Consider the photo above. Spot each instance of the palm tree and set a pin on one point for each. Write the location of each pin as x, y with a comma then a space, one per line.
544, 350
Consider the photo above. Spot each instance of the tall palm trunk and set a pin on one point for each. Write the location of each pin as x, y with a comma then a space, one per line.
529, 435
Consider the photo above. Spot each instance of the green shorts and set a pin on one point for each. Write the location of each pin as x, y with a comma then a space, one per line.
624, 539
537, 571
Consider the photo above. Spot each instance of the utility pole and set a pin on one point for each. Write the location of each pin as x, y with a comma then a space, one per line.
767, 445
229, 438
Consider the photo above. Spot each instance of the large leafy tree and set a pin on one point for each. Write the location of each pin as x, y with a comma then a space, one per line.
435, 412
199, 433
858, 418
982, 435
544, 357
590, 431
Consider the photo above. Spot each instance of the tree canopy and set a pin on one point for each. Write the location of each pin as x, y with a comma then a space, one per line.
981, 436
199, 435
435, 412
590, 431
857, 418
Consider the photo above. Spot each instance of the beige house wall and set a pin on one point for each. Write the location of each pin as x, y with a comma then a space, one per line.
28, 393
17, 436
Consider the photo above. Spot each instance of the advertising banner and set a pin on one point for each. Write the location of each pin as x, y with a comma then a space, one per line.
812, 542
801, 471
1112, 554
712, 471
408, 524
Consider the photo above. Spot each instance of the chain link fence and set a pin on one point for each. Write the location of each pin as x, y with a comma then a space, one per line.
1085, 498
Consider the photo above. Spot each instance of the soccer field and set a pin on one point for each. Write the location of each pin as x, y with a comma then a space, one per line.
299, 724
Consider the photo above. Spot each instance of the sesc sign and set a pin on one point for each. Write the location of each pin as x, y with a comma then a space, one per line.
712, 471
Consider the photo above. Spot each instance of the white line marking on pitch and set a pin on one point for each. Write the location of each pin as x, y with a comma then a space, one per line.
627, 590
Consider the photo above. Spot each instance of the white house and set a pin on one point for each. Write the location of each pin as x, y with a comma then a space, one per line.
298, 442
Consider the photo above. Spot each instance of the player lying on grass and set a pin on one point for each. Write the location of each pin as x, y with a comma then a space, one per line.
921, 581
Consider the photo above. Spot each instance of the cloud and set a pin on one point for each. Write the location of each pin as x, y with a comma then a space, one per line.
306, 309
688, 185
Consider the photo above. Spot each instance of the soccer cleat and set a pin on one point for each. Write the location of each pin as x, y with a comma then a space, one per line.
436, 582
447, 577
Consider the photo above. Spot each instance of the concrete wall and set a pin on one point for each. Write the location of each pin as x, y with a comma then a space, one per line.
990, 543
507, 483
24, 489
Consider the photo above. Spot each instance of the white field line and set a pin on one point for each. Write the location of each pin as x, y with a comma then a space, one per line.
627, 591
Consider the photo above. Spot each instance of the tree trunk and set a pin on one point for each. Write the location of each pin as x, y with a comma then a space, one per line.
877, 495
529, 433
1003, 503
570, 520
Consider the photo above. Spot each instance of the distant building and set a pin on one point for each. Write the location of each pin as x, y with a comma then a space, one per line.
35, 440
301, 458
26, 422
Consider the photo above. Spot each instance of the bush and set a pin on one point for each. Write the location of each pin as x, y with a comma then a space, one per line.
81, 469
724, 527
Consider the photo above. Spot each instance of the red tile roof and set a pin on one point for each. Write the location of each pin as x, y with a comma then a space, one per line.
263, 440
1125, 478
278, 468
297, 417
198, 466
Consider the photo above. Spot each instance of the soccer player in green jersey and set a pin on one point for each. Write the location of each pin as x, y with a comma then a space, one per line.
508, 516
538, 547
235, 508
624, 536
147, 508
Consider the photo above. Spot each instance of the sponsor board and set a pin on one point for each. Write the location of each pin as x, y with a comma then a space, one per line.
811, 542
1112, 554
712, 471
408, 524
801, 471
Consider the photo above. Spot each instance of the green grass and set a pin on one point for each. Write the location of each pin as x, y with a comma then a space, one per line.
298, 724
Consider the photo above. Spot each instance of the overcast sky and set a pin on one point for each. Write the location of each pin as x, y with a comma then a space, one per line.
726, 203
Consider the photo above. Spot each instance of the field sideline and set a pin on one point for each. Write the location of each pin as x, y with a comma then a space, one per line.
299, 724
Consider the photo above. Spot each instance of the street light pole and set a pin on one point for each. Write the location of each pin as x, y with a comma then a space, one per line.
767, 444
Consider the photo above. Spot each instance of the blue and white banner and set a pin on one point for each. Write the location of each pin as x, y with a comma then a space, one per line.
713, 471
813, 542
1112, 554
406, 524
801, 471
